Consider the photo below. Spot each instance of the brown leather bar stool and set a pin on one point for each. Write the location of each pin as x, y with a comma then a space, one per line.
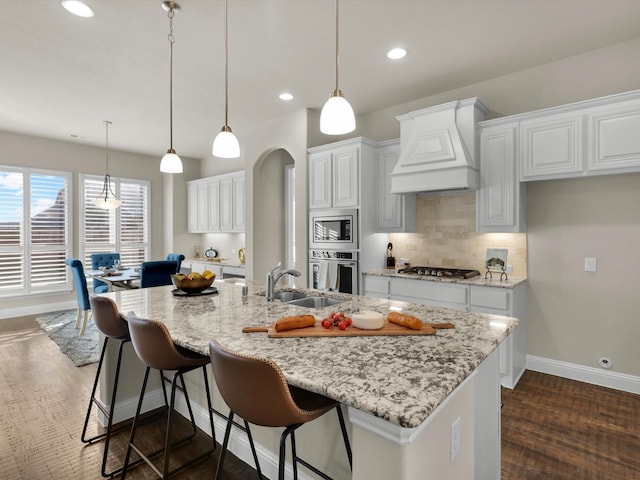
255, 389
155, 348
113, 327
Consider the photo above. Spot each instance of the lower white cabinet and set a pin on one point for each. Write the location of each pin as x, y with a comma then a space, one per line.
376, 286
510, 302
449, 295
221, 271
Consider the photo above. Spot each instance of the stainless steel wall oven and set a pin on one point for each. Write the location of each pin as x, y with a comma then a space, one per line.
335, 270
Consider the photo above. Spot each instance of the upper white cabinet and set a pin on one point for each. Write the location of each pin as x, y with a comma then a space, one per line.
396, 212
200, 193
216, 204
238, 202
334, 176
551, 146
500, 199
593, 137
614, 138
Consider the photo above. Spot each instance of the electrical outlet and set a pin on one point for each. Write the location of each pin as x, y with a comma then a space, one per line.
590, 264
455, 438
233, 251
509, 269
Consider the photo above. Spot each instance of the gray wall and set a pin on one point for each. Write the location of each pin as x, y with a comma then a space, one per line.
26, 151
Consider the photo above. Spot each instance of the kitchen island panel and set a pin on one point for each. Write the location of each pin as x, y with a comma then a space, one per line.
401, 382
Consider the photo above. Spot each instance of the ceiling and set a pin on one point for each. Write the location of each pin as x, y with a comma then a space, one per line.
63, 75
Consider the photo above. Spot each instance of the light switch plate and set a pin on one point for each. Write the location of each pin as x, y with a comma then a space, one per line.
590, 264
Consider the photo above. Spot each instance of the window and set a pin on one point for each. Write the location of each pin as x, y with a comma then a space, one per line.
124, 229
290, 219
35, 231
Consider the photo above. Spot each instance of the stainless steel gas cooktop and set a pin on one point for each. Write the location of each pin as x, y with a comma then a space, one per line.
440, 272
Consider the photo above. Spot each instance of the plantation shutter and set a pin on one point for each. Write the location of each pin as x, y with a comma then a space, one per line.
125, 229
35, 231
50, 231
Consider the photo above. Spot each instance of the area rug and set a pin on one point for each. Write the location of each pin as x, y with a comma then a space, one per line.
82, 350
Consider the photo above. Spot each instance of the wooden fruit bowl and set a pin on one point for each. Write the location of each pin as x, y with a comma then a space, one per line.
196, 285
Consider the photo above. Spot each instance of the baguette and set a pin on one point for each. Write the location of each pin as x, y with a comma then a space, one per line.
408, 321
291, 323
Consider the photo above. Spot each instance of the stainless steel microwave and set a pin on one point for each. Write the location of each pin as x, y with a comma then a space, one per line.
334, 229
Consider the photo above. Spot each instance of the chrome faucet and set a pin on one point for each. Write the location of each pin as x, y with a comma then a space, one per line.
273, 277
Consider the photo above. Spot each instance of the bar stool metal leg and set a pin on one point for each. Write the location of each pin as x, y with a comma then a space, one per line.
108, 414
168, 444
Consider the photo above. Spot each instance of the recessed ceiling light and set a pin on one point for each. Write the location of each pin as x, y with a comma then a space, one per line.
285, 96
396, 53
78, 8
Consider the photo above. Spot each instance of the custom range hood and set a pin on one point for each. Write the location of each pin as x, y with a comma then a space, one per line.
438, 148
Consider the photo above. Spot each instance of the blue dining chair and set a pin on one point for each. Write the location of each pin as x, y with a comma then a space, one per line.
82, 293
102, 260
156, 273
176, 257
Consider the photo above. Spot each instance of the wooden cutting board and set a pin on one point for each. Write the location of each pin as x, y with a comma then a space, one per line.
319, 331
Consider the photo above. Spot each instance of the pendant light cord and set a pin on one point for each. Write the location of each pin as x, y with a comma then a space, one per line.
226, 68
171, 39
106, 124
337, 43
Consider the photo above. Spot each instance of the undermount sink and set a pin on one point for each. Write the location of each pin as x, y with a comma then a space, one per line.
286, 297
315, 302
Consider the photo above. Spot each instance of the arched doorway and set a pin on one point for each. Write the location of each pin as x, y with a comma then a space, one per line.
273, 203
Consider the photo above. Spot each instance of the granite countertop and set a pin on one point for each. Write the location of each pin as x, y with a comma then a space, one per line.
478, 280
400, 379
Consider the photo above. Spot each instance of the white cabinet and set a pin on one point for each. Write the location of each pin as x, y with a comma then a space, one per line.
238, 202
200, 218
500, 200
214, 199
200, 267
376, 286
614, 138
216, 204
510, 302
334, 177
593, 137
221, 271
396, 212
440, 294
552, 146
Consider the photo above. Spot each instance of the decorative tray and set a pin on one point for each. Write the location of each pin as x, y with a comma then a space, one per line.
207, 291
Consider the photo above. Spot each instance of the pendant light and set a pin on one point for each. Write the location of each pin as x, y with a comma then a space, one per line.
226, 145
107, 200
171, 162
337, 116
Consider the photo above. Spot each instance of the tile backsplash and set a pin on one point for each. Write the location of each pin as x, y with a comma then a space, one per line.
446, 236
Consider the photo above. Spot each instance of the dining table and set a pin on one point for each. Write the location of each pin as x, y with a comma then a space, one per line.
125, 278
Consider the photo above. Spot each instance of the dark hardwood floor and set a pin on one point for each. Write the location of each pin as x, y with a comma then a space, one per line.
552, 428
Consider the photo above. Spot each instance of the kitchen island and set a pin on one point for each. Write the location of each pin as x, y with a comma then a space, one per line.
424, 406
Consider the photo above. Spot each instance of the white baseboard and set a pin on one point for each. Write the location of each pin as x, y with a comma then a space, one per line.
37, 309
238, 441
595, 376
